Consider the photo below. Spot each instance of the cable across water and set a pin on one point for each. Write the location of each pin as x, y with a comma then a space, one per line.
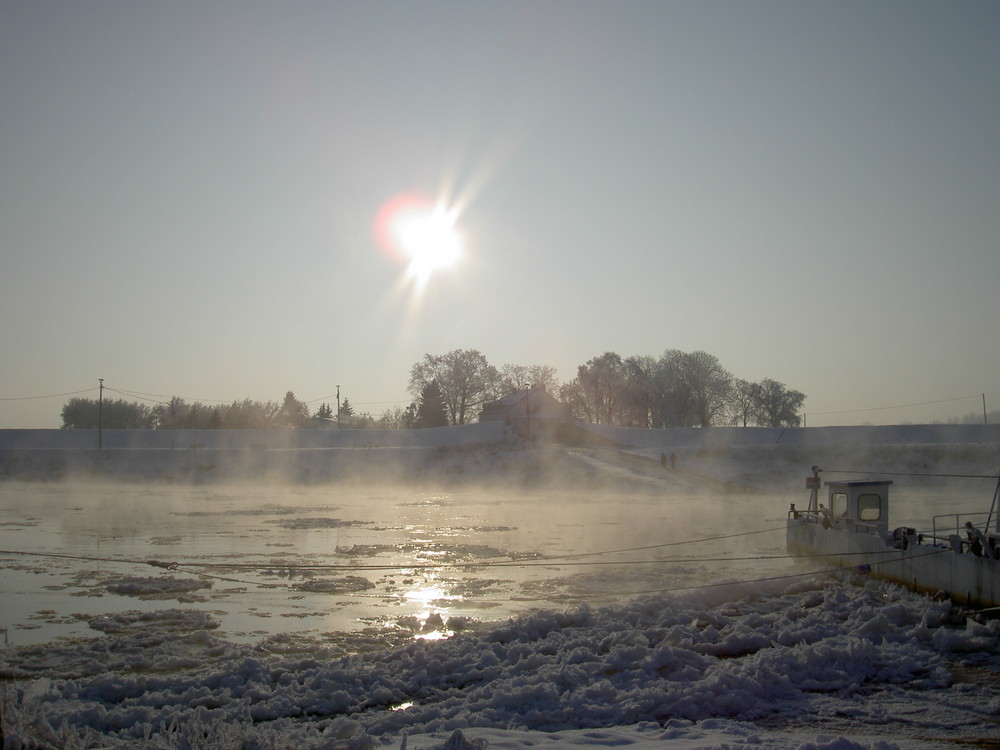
542, 561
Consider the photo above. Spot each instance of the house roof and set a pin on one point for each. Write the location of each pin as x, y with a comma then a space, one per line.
510, 399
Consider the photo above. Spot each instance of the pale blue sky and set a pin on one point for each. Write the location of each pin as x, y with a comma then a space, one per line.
810, 191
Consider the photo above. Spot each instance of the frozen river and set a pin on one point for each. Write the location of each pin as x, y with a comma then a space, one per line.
267, 560
297, 615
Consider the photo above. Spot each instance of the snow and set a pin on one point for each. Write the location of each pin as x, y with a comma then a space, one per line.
147, 587
805, 661
699, 670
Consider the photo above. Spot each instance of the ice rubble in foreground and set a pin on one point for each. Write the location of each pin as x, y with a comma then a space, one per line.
798, 666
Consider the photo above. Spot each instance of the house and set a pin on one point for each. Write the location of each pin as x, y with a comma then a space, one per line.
531, 413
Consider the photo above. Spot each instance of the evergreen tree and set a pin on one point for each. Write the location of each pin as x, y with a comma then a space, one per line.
431, 410
346, 410
293, 412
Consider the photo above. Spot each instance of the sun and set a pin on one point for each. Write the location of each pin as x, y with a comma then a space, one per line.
430, 240
422, 234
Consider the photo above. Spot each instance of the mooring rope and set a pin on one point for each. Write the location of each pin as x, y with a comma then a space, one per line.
534, 561
588, 596
567, 561
909, 474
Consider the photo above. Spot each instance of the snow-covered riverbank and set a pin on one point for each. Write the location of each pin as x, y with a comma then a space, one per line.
484, 452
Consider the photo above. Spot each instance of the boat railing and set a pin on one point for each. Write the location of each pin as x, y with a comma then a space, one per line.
948, 525
813, 515
823, 516
954, 523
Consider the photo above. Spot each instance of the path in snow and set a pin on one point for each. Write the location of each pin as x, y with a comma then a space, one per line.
648, 470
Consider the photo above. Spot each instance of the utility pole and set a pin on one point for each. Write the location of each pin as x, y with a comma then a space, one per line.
100, 414
985, 420
338, 407
527, 414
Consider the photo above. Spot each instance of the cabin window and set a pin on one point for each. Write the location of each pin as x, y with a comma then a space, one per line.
869, 507
838, 504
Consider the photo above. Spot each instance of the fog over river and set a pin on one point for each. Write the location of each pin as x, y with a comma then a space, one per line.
316, 559
557, 597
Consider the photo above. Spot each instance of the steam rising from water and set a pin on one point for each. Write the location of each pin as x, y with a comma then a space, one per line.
264, 590
478, 533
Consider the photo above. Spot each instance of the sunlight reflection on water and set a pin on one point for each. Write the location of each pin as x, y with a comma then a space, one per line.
321, 559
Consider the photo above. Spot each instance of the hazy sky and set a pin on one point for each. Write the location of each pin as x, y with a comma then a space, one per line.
810, 191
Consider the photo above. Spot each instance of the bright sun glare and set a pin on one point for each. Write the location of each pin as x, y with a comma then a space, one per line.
422, 234
430, 240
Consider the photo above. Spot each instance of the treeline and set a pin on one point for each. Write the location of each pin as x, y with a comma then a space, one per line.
178, 414
678, 389
977, 418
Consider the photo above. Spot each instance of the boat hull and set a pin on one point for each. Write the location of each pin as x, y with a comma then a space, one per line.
969, 580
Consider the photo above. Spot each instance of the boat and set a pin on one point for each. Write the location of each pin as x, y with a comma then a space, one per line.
958, 558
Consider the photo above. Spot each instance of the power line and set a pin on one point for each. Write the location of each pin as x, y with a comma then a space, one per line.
143, 396
884, 408
140, 394
323, 398
133, 395
156, 397
912, 474
357, 403
52, 395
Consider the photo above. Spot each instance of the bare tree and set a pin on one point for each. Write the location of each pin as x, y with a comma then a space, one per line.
84, 413
637, 403
672, 401
464, 377
778, 406
680, 389
742, 403
571, 395
515, 378
393, 418
248, 414
709, 384
596, 392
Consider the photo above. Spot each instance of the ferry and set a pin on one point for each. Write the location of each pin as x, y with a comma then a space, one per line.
958, 558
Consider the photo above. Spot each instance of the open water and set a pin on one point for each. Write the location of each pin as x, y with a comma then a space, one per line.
265, 560
324, 559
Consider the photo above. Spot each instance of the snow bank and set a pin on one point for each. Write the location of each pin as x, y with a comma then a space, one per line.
801, 658
258, 440
866, 435
475, 451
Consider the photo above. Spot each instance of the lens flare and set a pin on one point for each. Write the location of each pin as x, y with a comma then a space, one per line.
424, 235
